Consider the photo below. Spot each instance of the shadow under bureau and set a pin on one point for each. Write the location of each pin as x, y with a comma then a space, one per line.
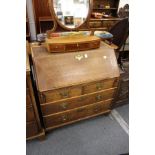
74, 86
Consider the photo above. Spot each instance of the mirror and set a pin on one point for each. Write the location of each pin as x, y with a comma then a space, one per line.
71, 13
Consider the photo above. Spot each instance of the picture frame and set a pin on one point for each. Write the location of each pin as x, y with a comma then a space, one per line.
69, 20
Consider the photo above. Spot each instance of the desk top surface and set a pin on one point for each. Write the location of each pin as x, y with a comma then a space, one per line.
58, 70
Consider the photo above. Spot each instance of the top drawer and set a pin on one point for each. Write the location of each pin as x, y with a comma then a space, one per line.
100, 85
59, 94
57, 48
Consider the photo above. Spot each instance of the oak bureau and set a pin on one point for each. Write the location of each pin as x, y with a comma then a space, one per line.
74, 86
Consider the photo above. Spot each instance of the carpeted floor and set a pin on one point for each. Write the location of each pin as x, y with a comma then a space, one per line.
101, 135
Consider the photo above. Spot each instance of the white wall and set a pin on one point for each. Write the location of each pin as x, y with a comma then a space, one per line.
123, 2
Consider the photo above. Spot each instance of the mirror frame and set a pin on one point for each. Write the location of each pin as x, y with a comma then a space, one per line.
57, 22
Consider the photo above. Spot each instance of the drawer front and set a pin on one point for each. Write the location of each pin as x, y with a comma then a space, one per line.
31, 129
57, 48
76, 102
101, 85
30, 114
83, 46
71, 47
59, 94
28, 98
76, 114
94, 44
95, 24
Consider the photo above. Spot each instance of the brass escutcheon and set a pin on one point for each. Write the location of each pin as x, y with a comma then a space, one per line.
64, 105
99, 86
64, 94
99, 97
64, 117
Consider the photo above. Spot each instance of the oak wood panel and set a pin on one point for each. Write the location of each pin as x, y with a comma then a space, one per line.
71, 103
51, 74
28, 98
100, 85
71, 47
56, 48
59, 94
77, 120
30, 116
61, 118
33, 125
82, 89
74, 46
41, 8
31, 129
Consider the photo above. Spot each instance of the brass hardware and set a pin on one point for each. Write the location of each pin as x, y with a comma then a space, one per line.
64, 105
64, 94
64, 117
79, 57
99, 86
99, 97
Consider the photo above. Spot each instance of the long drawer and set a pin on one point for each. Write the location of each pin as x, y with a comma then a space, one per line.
76, 114
67, 104
68, 92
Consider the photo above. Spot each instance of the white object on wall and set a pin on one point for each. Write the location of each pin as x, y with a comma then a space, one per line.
31, 19
122, 3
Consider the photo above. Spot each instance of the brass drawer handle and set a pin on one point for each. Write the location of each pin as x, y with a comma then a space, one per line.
99, 97
64, 105
64, 118
99, 86
64, 94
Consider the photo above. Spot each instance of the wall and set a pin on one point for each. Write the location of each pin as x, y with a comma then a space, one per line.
122, 3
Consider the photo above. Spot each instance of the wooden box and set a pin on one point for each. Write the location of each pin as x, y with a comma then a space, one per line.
72, 43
